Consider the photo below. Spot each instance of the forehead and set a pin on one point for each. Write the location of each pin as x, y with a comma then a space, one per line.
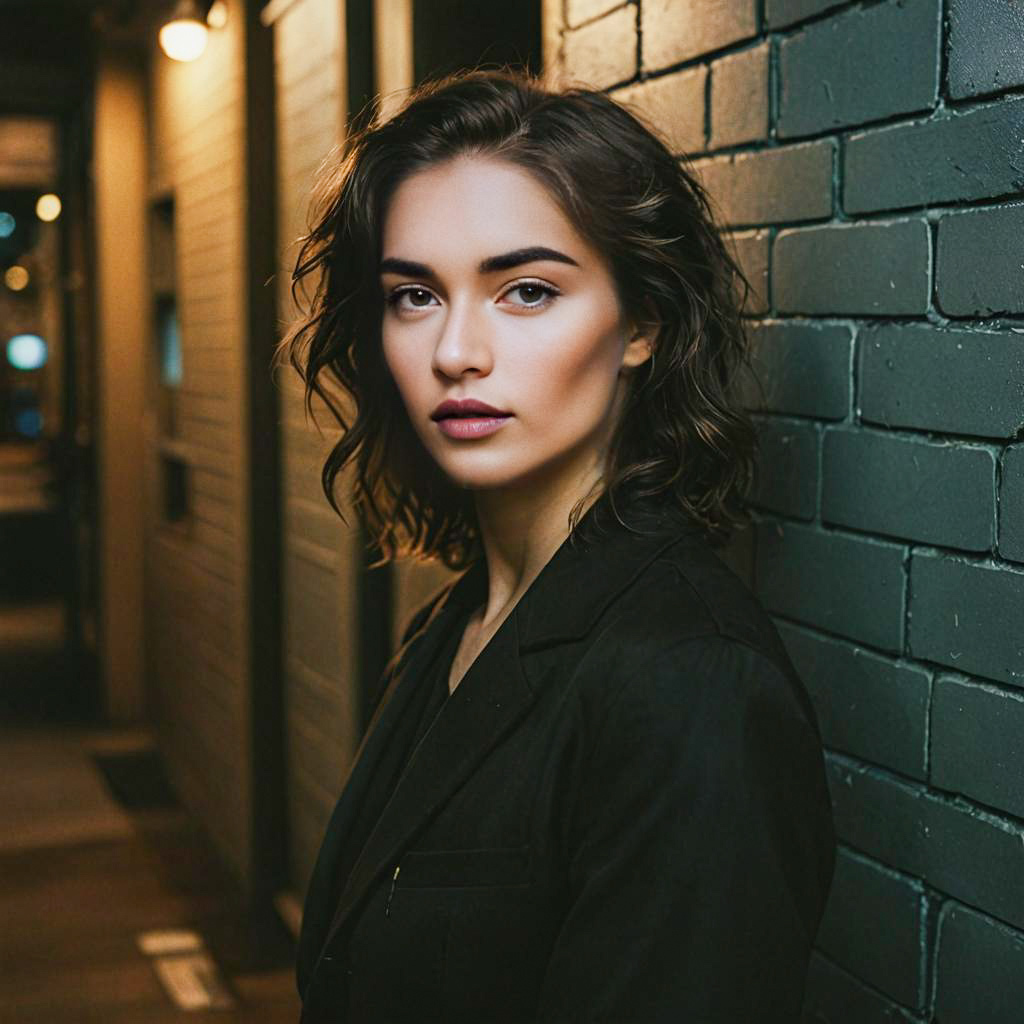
475, 206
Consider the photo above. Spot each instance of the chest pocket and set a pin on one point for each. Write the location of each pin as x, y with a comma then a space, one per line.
487, 866
434, 941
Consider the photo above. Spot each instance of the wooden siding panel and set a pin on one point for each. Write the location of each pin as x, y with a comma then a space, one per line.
197, 578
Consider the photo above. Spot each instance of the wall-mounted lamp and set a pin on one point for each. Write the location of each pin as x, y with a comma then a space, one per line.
184, 35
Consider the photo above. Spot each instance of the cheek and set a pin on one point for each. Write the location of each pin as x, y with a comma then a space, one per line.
399, 359
577, 359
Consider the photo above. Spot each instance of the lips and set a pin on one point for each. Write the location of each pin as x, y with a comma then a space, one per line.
467, 408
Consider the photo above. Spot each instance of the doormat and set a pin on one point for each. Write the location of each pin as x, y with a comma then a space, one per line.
136, 779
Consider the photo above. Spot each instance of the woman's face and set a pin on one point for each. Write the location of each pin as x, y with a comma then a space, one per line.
492, 295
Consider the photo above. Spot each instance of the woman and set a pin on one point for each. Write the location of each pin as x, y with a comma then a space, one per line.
593, 788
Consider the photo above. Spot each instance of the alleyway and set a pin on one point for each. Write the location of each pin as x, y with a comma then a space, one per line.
95, 852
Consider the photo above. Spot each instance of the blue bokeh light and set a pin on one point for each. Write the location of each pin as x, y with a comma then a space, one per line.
7, 224
26, 352
28, 422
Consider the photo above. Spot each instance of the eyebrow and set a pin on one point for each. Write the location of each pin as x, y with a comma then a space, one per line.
506, 261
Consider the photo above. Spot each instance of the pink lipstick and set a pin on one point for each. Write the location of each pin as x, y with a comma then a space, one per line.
468, 418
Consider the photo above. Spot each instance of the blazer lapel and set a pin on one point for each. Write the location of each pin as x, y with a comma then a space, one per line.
487, 704
322, 894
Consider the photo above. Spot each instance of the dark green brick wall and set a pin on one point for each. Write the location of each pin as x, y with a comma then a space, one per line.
866, 160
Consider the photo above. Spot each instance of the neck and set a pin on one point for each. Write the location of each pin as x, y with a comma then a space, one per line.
520, 530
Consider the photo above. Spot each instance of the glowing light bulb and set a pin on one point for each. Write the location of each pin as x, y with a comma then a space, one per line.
184, 38
16, 278
48, 207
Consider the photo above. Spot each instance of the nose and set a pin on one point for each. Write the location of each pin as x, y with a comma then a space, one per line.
463, 345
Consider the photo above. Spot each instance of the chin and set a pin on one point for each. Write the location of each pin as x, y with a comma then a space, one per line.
478, 470
502, 474
481, 479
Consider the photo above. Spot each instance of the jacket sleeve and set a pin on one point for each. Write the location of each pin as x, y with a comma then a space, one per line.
700, 848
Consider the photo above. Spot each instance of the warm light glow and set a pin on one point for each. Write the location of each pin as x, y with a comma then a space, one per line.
16, 278
48, 207
183, 39
26, 352
218, 14
7, 224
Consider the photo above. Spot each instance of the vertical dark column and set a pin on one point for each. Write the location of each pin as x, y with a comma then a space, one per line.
450, 34
360, 71
376, 611
75, 456
267, 737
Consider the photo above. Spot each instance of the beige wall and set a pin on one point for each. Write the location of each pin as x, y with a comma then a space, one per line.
392, 27
197, 585
320, 552
122, 313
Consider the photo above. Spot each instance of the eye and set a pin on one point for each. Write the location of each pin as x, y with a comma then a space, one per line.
419, 298
534, 294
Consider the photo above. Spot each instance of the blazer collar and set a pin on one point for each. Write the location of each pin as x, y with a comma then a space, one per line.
582, 578
563, 602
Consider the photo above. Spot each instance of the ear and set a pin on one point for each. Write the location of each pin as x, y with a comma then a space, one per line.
640, 346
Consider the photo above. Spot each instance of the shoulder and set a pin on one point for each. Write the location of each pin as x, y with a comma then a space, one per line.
689, 639
686, 600
703, 580
414, 625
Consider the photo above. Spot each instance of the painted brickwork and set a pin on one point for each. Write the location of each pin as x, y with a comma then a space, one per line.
197, 580
320, 553
867, 161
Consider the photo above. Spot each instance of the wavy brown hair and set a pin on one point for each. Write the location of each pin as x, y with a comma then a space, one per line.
683, 438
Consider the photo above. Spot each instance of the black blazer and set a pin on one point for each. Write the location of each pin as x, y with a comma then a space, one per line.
621, 813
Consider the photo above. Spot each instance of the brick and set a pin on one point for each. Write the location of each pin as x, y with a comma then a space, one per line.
978, 742
980, 262
1011, 505
939, 493
842, 584
779, 13
861, 65
961, 851
739, 97
907, 376
985, 52
751, 249
879, 269
771, 186
678, 30
980, 970
803, 369
603, 52
578, 11
866, 705
872, 926
955, 158
674, 104
967, 617
835, 996
787, 479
